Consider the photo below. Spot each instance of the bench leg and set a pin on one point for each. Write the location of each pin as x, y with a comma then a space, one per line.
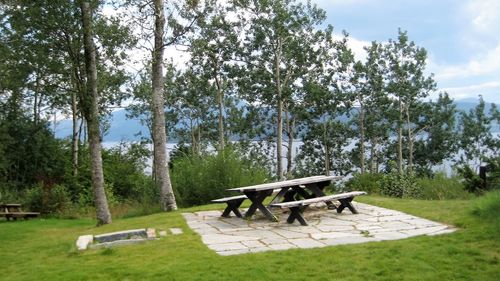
346, 203
232, 206
296, 214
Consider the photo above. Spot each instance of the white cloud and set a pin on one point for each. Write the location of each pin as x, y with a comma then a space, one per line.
356, 45
489, 90
485, 14
486, 64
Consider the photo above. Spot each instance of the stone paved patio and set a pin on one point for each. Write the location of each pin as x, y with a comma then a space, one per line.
231, 236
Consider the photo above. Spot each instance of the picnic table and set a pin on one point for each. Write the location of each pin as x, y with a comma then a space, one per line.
14, 211
309, 187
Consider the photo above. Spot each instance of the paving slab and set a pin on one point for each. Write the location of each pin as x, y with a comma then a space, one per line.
234, 236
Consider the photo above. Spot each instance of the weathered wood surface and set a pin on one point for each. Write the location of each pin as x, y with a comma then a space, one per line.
310, 201
287, 183
231, 198
298, 207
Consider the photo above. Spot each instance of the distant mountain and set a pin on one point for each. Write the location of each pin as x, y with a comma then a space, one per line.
124, 129
121, 128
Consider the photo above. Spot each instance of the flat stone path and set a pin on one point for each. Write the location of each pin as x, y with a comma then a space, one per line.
232, 236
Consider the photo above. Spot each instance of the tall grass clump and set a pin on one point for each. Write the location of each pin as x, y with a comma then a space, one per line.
197, 179
487, 208
441, 187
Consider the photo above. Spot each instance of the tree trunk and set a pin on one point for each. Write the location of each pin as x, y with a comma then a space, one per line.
75, 138
362, 138
373, 156
290, 123
279, 112
91, 112
167, 199
327, 149
410, 141
400, 138
220, 103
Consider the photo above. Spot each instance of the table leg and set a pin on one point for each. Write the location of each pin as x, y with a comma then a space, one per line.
317, 190
257, 198
280, 195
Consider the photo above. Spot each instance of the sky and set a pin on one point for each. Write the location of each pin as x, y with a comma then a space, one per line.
462, 38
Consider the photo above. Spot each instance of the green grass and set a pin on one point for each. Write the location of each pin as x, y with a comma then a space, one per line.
44, 250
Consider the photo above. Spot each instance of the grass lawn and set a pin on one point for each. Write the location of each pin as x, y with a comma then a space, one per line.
44, 250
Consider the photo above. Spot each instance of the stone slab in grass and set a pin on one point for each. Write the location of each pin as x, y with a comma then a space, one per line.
176, 231
120, 235
233, 236
125, 237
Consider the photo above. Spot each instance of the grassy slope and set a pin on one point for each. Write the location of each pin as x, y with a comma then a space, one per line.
44, 250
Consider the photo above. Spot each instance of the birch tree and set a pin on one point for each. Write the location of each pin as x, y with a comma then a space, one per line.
89, 104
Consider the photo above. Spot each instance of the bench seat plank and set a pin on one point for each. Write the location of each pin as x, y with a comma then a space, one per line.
225, 199
310, 201
298, 207
233, 204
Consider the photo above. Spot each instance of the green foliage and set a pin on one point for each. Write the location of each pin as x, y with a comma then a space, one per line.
198, 179
472, 181
31, 154
47, 200
367, 182
440, 187
488, 208
476, 140
400, 185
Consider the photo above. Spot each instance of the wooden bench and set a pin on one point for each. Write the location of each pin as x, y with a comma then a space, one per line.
297, 207
233, 203
13, 211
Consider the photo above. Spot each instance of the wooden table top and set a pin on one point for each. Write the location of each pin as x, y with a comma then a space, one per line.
286, 183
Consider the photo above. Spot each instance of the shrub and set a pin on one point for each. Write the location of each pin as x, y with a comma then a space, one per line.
47, 200
487, 208
198, 179
441, 187
472, 181
399, 185
367, 182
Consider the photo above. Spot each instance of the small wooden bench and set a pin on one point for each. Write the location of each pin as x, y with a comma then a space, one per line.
297, 207
13, 211
233, 203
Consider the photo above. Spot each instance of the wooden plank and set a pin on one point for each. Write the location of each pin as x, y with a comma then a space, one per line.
23, 214
226, 199
9, 205
287, 183
306, 202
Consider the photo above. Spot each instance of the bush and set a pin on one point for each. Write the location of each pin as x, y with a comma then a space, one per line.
198, 179
367, 182
47, 200
441, 187
487, 208
400, 185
